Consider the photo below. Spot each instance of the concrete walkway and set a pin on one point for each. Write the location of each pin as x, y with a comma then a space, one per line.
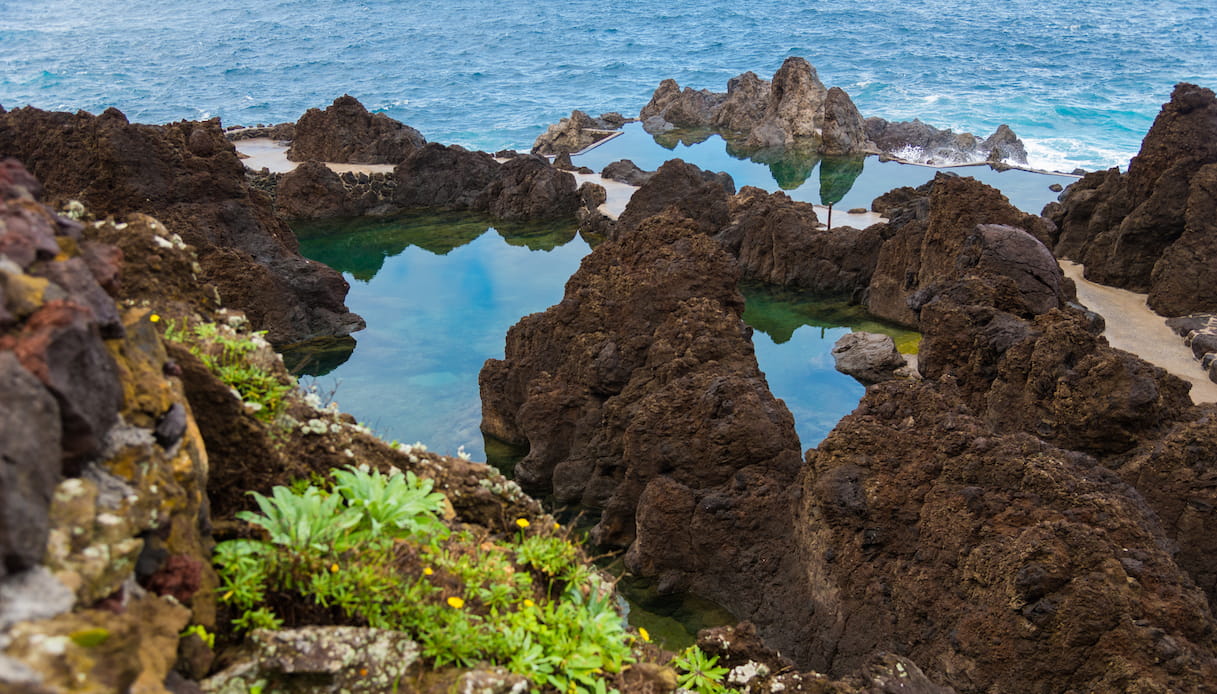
1132, 327
263, 152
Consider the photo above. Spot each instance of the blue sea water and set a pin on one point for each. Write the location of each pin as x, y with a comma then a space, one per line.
1079, 80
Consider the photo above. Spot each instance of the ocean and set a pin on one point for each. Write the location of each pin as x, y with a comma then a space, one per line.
1079, 80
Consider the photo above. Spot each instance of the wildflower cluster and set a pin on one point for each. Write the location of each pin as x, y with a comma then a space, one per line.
227, 354
373, 546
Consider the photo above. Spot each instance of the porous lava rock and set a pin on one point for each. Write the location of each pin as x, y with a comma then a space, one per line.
576, 133
444, 177
995, 562
868, 357
1152, 229
345, 132
528, 188
692, 192
186, 175
922, 143
639, 395
780, 241
921, 251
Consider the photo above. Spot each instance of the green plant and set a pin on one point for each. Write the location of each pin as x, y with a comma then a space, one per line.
700, 672
373, 545
226, 354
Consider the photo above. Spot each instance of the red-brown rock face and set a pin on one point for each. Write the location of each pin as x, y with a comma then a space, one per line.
187, 176
345, 132
639, 394
1153, 229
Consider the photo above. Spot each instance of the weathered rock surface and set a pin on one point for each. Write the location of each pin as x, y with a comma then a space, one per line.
446, 177
1153, 229
639, 395
794, 109
869, 357
626, 171
949, 241
346, 133
995, 562
188, 176
317, 660
696, 194
780, 241
528, 188
918, 142
576, 133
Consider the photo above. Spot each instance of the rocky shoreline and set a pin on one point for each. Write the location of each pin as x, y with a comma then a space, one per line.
1034, 513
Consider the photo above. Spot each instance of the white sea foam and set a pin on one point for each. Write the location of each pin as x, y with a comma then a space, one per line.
1067, 154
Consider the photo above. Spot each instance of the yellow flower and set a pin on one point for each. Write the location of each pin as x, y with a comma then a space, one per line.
522, 522
154, 318
528, 603
334, 568
646, 635
227, 595
427, 571
557, 525
455, 603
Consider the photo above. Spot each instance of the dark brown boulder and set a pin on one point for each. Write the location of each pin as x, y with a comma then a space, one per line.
921, 253
696, 194
843, 131
1123, 226
626, 171
446, 177
639, 395
313, 191
187, 176
996, 562
528, 188
346, 133
779, 241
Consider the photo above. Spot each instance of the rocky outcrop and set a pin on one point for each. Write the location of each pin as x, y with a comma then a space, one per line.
314, 191
955, 237
793, 110
346, 133
696, 194
577, 133
780, 241
1199, 332
187, 176
639, 395
996, 562
528, 188
924, 144
103, 469
1152, 229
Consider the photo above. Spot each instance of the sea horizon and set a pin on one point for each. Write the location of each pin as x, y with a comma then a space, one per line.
1079, 82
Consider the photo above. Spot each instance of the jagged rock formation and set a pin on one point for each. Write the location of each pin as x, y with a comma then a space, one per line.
187, 176
576, 133
1199, 332
996, 562
697, 195
346, 133
924, 144
639, 394
951, 233
1153, 229
101, 496
793, 109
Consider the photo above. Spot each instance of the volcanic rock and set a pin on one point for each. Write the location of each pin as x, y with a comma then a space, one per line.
696, 194
446, 177
639, 395
918, 142
346, 133
996, 562
626, 171
529, 188
1152, 229
313, 191
188, 176
574, 134
947, 243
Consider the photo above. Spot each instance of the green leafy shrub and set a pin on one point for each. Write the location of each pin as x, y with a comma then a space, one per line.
699, 672
226, 354
373, 546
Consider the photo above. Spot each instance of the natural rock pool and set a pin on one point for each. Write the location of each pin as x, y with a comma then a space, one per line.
439, 292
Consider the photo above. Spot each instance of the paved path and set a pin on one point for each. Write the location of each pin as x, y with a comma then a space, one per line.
1132, 327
